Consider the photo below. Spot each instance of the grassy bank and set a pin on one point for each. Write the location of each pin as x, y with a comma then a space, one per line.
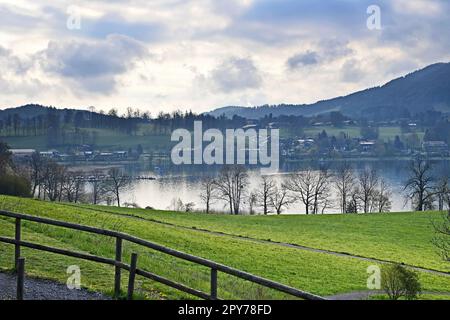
320, 273
400, 237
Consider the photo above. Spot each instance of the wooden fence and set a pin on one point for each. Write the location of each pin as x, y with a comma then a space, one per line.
132, 268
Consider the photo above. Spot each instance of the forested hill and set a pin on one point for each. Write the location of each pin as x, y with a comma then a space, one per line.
417, 92
30, 111
37, 120
27, 111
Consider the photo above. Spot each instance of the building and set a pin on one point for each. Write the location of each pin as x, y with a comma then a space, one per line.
435, 147
22, 153
367, 146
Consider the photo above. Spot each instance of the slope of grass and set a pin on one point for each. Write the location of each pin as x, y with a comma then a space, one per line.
400, 237
315, 272
106, 140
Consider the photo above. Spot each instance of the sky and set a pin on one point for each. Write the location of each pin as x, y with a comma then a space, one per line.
165, 55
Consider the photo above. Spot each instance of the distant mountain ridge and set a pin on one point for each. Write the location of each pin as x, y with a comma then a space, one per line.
419, 91
29, 111
26, 111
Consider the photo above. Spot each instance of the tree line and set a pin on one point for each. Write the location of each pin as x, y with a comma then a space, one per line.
54, 182
345, 189
362, 192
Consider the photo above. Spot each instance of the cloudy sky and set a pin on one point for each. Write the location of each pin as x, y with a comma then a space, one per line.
201, 54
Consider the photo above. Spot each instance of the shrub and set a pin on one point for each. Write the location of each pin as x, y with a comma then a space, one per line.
397, 282
12, 185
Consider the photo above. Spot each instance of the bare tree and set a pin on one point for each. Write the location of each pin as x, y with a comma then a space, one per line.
419, 187
252, 201
322, 192
442, 191
176, 205
301, 184
382, 197
98, 186
189, 207
6, 162
311, 188
344, 182
117, 181
73, 186
353, 204
37, 166
231, 186
280, 198
53, 180
208, 193
367, 184
266, 192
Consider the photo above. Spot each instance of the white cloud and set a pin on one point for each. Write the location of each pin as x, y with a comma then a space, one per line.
107, 62
93, 66
235, 74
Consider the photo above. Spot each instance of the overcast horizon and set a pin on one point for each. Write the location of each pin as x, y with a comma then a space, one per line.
202, 54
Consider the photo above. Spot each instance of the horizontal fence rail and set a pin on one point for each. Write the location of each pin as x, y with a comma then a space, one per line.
132, 268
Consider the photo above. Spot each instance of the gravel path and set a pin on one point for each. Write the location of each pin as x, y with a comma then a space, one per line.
36, 289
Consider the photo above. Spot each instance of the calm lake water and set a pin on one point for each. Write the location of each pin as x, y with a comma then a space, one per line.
184, 184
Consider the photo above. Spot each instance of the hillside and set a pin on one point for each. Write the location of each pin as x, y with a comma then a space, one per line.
34, 110
324, 273
26, 111
422, 90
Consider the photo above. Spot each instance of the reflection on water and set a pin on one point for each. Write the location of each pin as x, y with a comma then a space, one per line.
184, 183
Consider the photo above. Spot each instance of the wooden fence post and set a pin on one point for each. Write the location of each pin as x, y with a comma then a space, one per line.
20, 278
133, 267
213, 284
17, 245
117, 277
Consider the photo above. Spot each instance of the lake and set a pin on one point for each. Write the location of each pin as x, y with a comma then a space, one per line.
184, 183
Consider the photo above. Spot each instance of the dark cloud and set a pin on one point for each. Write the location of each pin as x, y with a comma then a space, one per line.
236, 74
14, 76
284, 21
407, 24
334, 48
303, 59
13, 64
325, 51
93, 66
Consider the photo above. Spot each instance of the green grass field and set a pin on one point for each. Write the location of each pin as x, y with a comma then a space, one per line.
106, 140
401, 237
385, 133
114, 140
398, 237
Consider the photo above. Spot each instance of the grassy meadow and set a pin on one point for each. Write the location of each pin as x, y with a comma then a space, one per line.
396, 237
105, 140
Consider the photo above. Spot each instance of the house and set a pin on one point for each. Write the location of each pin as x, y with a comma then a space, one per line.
120, 155
51, 154
435, 147
306, 143
250, 126
367, 146
22, 153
